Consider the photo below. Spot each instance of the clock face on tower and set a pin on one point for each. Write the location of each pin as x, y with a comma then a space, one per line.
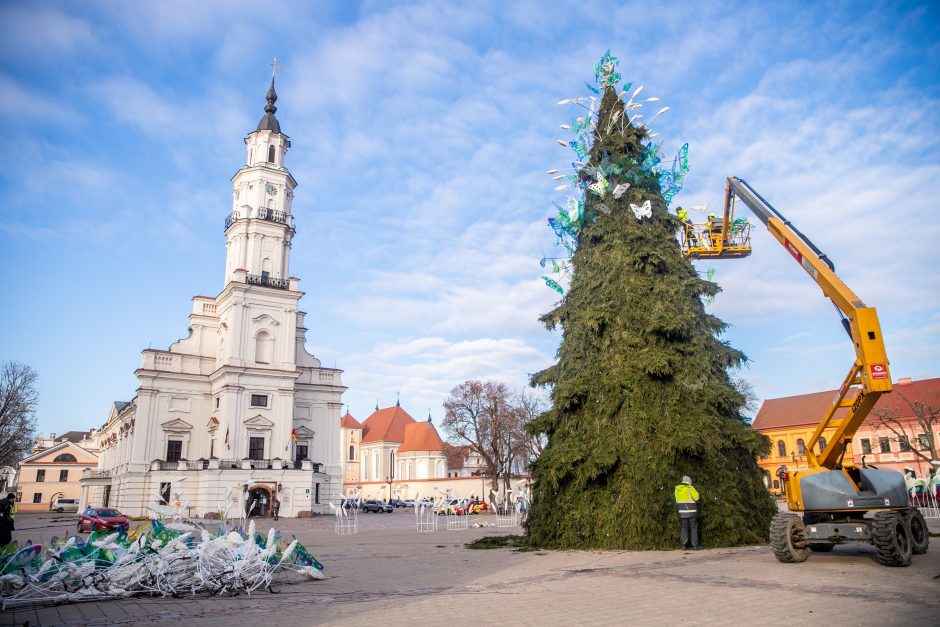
272, 191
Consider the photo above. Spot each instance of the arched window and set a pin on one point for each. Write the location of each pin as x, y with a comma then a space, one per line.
781, 449
822, 444
800, 447
271, 157
264, 347
65, 457
352, 452
365, 468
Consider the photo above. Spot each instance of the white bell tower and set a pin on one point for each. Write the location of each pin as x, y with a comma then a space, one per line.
260, 228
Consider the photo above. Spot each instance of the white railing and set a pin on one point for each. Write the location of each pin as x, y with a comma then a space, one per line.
927, 503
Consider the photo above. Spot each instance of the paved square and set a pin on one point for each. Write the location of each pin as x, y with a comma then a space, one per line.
390, 574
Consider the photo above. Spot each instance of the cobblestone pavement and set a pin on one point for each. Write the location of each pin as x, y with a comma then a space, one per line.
389, 574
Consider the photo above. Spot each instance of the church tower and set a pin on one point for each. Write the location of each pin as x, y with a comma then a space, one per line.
260, 228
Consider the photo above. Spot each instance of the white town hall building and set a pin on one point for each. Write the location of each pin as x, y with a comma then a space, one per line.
238, 413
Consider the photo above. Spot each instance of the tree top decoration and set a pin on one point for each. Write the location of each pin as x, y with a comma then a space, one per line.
599, 178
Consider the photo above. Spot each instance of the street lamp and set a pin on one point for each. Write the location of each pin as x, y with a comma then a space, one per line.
391, 473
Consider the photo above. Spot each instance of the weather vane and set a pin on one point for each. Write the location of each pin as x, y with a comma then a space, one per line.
275, 66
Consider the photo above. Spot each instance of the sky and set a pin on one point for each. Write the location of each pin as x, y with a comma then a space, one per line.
421, 134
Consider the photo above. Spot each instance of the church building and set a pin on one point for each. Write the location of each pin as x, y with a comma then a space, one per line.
237, 414
391, 455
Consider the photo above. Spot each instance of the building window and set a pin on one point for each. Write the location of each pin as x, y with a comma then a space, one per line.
264, 344
866, 446
270, 154
904, 444
37, 497
924, 441
65, 457
259, 400
301, 453
316, 493
800, 447
255, 448
216, 402
884, 444
40, 475
822, 444
352, 452
781, 449
174, 450
63, 475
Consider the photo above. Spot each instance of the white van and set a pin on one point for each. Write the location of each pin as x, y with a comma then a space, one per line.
65, 505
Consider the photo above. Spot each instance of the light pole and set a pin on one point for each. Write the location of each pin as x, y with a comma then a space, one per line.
391, 474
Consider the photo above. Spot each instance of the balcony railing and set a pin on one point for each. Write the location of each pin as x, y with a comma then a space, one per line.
100, 474
267, 281
271, 215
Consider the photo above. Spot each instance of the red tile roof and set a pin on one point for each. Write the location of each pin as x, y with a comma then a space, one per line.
421, 436
808, 409
348, 422
386, 425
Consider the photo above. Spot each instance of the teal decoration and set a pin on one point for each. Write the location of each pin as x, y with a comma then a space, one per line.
552, 284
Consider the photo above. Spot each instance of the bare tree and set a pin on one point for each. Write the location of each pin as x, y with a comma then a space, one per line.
751, 400
924, 416
483, 415
530, 407
18, 398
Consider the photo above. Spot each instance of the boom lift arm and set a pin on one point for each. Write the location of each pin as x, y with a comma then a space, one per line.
869, 374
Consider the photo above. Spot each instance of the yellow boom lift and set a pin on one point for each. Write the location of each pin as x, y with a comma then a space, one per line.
840, 502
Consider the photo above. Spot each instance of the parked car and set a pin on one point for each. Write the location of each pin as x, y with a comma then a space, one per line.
408, 503
426, 503
103, 518
376, 506
65, 505
448, 506
475, 506
397, 503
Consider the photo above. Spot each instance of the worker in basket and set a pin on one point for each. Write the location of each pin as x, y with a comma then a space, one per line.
687, 226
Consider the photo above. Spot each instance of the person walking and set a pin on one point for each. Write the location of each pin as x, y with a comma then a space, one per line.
277, 508
7, 511
687, 501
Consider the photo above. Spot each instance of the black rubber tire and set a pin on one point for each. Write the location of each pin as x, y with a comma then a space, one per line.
821, 547
920, 534
60, 510
787, 538
892, 537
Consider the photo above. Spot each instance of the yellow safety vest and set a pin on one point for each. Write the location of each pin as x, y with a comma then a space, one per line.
685, 493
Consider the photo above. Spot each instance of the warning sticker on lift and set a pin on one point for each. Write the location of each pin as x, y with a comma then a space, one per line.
799, 257
879, 371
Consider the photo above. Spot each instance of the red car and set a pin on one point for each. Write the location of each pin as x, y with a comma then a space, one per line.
103, 518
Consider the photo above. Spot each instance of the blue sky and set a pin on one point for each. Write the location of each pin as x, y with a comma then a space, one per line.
421, 134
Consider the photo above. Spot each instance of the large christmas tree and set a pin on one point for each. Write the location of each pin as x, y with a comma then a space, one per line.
641, 392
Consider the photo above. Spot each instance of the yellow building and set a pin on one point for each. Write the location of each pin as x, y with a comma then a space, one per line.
789, 422
52, 473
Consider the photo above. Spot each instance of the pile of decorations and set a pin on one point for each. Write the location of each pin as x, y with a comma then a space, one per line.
606, 178
172, 559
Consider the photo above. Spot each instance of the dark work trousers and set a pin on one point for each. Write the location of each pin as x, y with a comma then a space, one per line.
6, 533
689, 524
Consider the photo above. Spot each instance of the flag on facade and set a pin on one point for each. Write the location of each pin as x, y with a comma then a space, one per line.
293, 435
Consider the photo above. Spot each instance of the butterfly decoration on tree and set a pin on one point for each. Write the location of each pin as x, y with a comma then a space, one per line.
607, 176
642, 211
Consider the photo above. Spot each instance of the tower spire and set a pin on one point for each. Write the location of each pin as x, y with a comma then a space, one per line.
269, 122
